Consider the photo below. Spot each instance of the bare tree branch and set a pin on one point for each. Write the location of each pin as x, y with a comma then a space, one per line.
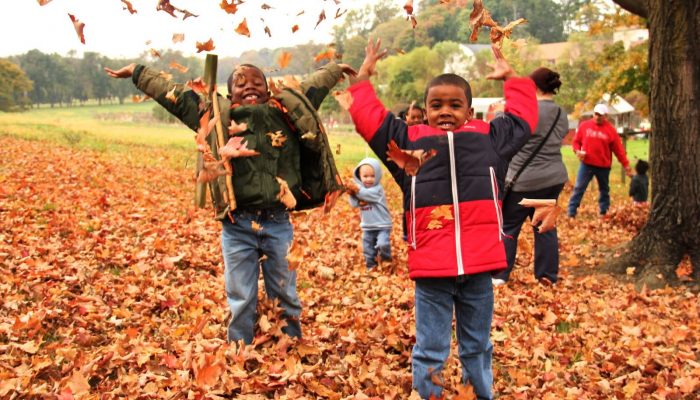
637, 7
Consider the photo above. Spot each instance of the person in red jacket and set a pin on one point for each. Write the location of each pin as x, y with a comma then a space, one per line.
595, 141
451, 172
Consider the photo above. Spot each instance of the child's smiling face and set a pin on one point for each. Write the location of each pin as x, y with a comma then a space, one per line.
249, 86
367, 175
447, 107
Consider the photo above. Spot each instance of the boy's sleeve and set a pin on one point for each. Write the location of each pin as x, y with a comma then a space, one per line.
185, 105
375, 194
616, 146
511, 131
376, 125
317, 86
578, 140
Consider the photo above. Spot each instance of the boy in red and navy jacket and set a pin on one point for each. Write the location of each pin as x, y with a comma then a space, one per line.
451, 254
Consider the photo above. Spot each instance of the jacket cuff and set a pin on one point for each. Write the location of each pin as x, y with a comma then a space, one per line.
137, 73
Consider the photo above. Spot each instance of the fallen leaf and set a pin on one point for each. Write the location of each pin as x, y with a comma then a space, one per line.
205, 46
242, 28
277, 139
295, 28
284, 59
79, 26
229, 8
155, 53
178, 67
129, 7
321, 17
409, 160
285, 195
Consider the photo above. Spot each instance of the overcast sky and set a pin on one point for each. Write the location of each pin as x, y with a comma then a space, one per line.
112, 31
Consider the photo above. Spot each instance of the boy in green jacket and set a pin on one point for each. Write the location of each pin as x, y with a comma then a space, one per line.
294, 159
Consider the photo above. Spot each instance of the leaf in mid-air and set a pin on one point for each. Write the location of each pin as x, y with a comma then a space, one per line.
284, 59
79, 26
205, 46
178, 37
409, 160
129, 7
242, 28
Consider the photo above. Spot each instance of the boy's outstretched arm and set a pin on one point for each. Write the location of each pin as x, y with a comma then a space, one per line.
179, 100
317, 86
509, 134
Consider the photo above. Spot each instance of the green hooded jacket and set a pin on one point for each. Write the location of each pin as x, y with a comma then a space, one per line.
304, 159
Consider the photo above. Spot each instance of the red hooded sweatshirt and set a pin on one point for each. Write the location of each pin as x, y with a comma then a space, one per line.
599, 142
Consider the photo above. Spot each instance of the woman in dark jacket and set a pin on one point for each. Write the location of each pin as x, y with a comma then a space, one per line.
542, 178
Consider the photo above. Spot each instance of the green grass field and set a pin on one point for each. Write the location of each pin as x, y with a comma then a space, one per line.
119, 129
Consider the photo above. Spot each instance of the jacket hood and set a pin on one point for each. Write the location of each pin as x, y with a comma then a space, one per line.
372, 162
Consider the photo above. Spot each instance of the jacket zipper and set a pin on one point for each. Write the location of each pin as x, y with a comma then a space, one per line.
455, 203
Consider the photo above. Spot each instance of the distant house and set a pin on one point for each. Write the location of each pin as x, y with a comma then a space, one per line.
552, 53
485, 108
630, 36
621, 113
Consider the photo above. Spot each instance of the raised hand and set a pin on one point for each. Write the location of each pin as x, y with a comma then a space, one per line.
501, 69
372, 55
347, 70
123, 72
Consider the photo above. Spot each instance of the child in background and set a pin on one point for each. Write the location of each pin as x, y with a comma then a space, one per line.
368, 195
452, 254
414, 115
639, 186
292, 171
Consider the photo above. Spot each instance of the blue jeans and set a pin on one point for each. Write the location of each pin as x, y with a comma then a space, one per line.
470, 297
373, 243
243, 246
583, 178
546, 244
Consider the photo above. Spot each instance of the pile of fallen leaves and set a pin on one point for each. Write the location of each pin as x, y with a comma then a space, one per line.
111, 285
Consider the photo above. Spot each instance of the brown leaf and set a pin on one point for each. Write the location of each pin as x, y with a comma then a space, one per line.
236, 148
205, 46
207, 370
266, 7
242, 28
277, 139
79, 26
409, 160
267, 31
155, 53
171, 95
43, 2
339, 14
408, 7
295, 28
321, 17
129, 7
285, 195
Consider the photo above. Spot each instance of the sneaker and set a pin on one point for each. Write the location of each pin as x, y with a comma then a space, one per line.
497, 282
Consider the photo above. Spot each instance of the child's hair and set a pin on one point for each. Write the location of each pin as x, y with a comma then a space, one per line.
642, 167
546, 80
452, 80
229, 82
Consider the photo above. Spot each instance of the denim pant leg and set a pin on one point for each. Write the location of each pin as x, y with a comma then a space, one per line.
602, 175
583, 178
474, 312
513, 217
369, 248
280, 283
383, 244
434, 308
241, 271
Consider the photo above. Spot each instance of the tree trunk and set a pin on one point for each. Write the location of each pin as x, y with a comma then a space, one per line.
673, 227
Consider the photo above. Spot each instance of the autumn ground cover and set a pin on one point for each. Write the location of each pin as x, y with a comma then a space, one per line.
112, 286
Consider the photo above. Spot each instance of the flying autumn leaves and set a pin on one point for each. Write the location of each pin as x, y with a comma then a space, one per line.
229, 7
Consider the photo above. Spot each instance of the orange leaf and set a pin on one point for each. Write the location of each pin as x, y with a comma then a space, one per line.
408, 7
207, 370
229, 8
78, 384
277, 139
284, 59
155, 53
205, 46
79, 26
178, 67
43, 2
242, 28
465, 393
328, 54
178, 37
295, 28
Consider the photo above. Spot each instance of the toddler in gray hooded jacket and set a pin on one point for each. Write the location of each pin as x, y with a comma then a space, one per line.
375, 218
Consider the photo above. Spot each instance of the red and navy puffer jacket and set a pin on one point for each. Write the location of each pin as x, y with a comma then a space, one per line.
467, 174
